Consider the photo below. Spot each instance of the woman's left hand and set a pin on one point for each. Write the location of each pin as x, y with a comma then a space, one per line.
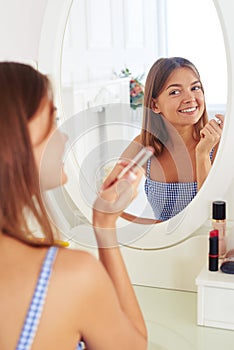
210, 134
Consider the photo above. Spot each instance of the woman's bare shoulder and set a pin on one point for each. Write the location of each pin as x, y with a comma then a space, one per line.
81, 277
77, 262
78, 273
79, 269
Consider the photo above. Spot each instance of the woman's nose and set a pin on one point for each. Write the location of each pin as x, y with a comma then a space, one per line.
188, 97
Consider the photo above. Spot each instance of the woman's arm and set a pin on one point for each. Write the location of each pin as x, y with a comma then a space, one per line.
84, 303
106, 322
133, 148
101, 302
108, 207
210, 137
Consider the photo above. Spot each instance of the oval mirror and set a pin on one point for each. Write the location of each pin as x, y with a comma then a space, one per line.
88, 96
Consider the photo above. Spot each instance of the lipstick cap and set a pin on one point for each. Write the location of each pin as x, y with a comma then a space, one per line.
219, 210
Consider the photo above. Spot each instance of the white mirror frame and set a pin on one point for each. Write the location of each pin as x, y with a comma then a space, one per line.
222, 173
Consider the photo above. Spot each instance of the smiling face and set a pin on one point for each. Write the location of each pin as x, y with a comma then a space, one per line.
181, 100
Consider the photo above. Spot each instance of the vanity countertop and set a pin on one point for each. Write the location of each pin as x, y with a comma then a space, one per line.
171, 318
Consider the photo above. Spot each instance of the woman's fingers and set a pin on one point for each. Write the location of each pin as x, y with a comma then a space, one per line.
119, 194
213, 128
111, 178
220, 118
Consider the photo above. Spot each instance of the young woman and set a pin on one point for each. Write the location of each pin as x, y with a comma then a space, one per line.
176, 125
52, 297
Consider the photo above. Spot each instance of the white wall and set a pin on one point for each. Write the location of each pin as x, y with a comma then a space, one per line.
20, 28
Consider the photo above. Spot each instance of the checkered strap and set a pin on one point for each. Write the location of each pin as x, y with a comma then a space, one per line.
35, 309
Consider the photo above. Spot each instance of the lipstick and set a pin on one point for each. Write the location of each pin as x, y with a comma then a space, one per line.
214, 250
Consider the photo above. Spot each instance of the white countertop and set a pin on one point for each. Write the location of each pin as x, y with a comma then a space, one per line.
171, 318
215, 278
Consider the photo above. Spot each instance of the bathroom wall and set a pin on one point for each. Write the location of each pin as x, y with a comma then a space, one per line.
20, 28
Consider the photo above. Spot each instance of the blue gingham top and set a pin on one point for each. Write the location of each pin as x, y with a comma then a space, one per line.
168, 198
33, 316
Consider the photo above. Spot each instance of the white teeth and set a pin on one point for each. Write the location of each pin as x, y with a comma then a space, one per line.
188, 110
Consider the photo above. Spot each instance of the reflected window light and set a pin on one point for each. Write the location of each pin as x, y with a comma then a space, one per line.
194, 32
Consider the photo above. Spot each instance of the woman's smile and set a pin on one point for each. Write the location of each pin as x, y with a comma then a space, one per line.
188, 110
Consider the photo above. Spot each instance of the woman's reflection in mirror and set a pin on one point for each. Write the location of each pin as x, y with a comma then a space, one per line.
175, 123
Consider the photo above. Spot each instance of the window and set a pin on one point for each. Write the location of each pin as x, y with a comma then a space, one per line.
194, 32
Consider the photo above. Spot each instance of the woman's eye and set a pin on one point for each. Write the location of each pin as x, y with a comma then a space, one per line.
174, 92
196, 88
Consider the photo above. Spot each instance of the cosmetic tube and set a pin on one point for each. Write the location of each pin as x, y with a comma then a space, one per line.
214, 250
219, 223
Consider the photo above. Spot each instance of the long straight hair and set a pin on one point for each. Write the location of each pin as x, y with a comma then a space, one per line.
22, 90
154, 132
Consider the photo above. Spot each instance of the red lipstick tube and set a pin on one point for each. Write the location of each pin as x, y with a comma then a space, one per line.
214, 250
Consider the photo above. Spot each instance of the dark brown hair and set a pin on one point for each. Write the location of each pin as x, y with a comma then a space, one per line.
22, 90
154, 132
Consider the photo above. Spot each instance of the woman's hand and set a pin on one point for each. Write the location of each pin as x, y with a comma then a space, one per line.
210, 135
114, 196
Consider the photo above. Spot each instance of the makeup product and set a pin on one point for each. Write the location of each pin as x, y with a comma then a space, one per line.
219, 223
227, 265
214, 250
139, 160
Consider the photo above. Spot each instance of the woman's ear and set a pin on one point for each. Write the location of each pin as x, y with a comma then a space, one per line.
154, 106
